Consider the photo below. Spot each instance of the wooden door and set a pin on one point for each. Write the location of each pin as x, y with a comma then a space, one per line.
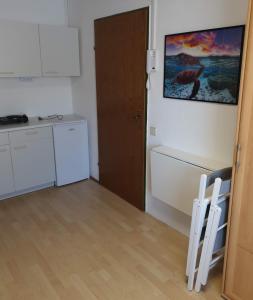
121, 44
238, 282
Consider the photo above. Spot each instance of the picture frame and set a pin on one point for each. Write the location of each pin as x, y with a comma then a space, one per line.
204, 65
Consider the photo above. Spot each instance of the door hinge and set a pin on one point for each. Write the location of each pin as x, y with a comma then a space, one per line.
238, 155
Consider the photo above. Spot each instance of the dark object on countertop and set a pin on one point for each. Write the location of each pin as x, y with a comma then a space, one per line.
13, 119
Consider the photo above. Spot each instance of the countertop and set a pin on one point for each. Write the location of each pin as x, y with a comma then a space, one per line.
35, 123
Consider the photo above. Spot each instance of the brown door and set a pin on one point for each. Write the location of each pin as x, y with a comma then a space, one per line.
121, 44
239, 263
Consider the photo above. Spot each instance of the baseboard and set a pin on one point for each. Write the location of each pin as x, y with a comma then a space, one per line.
94, 179
27, 191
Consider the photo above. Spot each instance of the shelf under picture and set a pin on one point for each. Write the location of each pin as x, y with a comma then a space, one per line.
204, 65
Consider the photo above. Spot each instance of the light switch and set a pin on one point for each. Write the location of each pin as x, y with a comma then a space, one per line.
153, 131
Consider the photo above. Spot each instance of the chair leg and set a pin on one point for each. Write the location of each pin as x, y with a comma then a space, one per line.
200, 218
198, 285
212, 239
204, 251
192, 235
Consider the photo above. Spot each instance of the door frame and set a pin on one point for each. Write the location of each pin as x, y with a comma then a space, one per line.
241, 104
147, 97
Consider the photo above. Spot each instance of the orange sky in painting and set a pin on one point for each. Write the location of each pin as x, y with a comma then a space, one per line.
201, 44
205, 41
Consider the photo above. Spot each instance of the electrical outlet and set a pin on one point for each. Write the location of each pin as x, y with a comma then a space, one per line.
153, 131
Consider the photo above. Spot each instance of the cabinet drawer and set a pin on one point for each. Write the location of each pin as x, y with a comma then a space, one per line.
30, 135
4, 139
71, 129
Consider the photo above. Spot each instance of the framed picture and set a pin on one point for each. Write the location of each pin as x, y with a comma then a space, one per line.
204, 65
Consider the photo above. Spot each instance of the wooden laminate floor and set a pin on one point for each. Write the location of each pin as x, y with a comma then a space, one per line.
83, 242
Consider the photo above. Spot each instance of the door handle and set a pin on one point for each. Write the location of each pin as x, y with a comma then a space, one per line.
238, 152
3, 150
51, 72
137, 117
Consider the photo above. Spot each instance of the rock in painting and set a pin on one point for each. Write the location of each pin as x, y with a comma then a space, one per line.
185, 59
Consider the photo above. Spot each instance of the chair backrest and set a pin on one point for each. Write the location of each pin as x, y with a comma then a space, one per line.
225, 175
208, 180
221, 182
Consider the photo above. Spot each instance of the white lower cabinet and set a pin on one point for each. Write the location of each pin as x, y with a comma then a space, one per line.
6, 175
32, 157
71, 152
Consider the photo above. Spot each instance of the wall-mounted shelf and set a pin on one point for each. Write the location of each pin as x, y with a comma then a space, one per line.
199, 161
175, 176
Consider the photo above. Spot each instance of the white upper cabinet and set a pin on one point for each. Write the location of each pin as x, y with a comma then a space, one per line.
59, 50
19, 50
38, 50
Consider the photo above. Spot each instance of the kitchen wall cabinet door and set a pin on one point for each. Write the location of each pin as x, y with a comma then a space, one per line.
19, 50
59, 51
6, 175
32, 157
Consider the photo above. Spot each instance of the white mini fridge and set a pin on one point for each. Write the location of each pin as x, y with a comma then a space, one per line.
71, 152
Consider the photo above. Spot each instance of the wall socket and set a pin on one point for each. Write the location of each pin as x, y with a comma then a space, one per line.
153, 131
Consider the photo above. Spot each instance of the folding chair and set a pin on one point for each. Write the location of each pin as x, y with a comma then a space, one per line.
200, 211
215, 234
198, 218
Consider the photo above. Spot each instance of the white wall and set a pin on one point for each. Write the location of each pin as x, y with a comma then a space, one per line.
201, 128
41, 96
82, 13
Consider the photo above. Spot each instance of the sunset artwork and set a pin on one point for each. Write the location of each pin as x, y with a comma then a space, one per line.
204, 65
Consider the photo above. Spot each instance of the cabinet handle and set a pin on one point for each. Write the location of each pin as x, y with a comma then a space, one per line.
3, 150
31, 132
72, 129
7, 73
20, 147
52, 72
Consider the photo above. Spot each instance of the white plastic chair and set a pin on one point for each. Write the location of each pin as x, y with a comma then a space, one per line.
200, 212
198, 219
215, 234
